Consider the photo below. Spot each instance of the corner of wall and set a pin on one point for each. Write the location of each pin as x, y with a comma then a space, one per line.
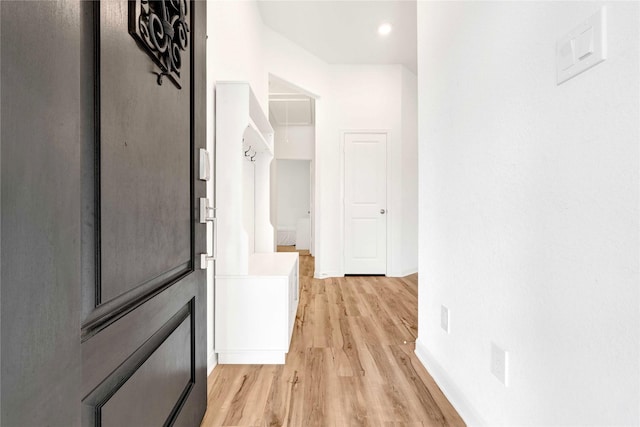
212, 362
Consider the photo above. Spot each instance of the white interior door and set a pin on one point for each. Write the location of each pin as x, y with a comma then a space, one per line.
365, 200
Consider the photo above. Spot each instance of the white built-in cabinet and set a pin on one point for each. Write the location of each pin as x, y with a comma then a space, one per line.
256, 288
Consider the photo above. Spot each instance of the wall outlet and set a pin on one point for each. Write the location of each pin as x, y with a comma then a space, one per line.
444, 318
499, 363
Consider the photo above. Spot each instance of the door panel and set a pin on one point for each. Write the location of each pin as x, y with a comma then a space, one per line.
100, 358
366, 245
101, 299
365, 203
144, 163
144, 330
154, 377
156, 386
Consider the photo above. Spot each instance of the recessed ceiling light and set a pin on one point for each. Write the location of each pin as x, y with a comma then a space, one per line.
384, 29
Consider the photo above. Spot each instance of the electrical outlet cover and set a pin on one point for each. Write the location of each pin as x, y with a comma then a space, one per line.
499, 363
444, 318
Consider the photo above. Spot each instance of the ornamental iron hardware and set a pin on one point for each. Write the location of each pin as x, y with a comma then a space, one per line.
160, 27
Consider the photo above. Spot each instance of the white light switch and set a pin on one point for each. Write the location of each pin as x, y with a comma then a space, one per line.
587, 44
584, 44
565, 55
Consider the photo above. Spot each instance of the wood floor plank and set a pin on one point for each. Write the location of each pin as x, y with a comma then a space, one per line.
389, 388
450, 414
315, 389
348, 364
420, 393
249, 400
346, 285
321, 324
336, 310
355, 411
222, 381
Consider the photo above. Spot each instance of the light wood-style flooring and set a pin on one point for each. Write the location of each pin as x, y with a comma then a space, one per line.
293, 249
351, 363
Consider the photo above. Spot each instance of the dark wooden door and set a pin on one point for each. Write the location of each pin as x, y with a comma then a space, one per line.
102, 299
144, 295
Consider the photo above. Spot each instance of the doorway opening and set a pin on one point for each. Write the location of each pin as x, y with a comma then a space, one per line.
292, 116
294, 208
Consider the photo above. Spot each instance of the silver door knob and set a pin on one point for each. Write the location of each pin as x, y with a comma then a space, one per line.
382, 211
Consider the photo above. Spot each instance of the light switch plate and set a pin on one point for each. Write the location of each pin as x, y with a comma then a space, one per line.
584, 44
588, 44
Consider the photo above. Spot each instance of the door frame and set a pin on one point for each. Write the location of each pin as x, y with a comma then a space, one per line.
389, 213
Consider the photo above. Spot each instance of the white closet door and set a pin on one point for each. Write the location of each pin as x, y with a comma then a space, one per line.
365, 203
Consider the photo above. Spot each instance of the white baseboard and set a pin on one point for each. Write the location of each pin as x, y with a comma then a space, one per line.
401, 273
212, 362
448, 387
327, 274
409, 272
252, 358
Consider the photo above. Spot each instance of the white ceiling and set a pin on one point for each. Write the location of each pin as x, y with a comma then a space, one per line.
346, 32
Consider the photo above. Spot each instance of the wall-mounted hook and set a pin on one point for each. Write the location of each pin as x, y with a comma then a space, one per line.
254, 155
246, 153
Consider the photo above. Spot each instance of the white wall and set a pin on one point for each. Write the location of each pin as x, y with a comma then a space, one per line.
235, 49
409, 167
294, 142
293, 192
350, 97
293, 64
362, 98
529, 227
234, 53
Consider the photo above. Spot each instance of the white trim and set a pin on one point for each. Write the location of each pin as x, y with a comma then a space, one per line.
402, 273
212, 362
264, 357
468, 413
327, 274
389, 135
316, 245
408, 272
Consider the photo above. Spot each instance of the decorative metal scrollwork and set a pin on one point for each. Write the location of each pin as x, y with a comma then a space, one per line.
161, 28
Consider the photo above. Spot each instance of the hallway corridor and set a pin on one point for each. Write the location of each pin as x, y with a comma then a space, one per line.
351, 363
